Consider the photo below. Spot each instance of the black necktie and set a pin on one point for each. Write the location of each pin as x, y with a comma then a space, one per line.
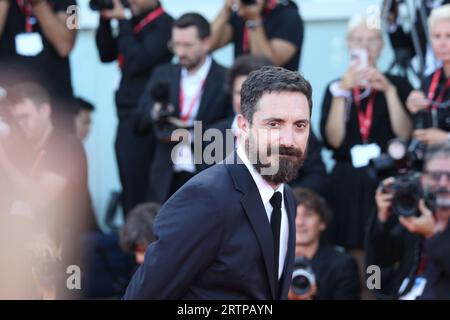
275, 222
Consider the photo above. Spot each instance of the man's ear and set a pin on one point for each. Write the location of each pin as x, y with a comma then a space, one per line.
46, 108
243, 124
207, 44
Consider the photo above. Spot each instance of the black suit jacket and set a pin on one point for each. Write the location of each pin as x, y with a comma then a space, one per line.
398, 253
215, 242
336, 275
214, 106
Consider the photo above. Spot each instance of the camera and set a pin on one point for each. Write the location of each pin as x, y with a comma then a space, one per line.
98, 5
303, 277
405, 163
407, 192
248, 2
160, 93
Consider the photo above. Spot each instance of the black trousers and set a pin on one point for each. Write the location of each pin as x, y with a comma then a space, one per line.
134, 155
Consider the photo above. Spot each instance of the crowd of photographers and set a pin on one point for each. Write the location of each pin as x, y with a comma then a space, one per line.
386, 202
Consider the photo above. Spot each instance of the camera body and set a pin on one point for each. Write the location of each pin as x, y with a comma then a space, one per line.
405, 163
160, 93
407, 192
98, 5
303, 277
248, 2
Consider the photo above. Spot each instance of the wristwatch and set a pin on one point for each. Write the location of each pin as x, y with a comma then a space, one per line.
253, 24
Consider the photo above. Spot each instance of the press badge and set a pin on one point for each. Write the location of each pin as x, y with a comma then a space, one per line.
363, 153
20, 208
29, 44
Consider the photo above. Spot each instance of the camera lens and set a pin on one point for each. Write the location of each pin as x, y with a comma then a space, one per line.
300, 284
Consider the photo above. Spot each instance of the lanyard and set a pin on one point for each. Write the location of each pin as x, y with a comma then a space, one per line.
246, 38
27, 10
152, 16
365, 119
185, 115
433, 87
432, 92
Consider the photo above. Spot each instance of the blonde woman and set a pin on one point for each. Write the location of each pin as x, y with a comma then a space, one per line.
431, 104
361, 112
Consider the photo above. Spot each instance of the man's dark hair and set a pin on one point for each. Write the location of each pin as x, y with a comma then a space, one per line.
314, 202
82, 105
244, 65
138, 228
27, 90
194, 20
267, 80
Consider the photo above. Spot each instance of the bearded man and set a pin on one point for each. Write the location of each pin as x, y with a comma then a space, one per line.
229, 232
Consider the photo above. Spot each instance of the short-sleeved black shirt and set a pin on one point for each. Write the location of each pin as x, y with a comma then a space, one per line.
64, 156
443, 113
381, 131
283, 22
47, 68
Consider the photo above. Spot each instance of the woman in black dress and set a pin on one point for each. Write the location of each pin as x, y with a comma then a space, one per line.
361, 112
431, 105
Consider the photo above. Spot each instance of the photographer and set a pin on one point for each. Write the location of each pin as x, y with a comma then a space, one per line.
335, 273
37, 36
139, 47
137, 232
399, 242
430, 105
176, 96
271, 28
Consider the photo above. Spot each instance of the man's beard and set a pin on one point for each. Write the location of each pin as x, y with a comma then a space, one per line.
442, 198
290, 160
192, 64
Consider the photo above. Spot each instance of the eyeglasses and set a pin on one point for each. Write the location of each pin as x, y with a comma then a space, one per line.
436, 176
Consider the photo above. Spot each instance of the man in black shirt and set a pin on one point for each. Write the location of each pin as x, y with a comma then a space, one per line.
52, 186
415, 249
139, 47
36, 38
272, 28
336, 273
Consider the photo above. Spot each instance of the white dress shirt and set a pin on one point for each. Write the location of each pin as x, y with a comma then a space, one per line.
266, 192
191, 86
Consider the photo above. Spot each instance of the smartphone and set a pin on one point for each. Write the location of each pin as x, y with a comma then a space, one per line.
359, 57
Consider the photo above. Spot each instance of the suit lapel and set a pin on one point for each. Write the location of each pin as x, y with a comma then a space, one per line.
209, 91
256, 213
175, 85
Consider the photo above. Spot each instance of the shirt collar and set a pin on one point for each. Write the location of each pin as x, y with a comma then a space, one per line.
264, 188
201, 73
